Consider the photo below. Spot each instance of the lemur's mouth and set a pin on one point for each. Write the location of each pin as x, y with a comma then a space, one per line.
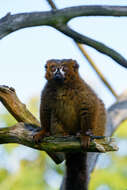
58, 76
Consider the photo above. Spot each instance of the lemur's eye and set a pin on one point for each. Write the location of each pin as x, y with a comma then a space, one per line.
64, 68
53, 68
45, 66
76, 66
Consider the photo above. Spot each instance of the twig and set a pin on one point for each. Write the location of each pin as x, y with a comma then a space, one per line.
52, 4
101, 76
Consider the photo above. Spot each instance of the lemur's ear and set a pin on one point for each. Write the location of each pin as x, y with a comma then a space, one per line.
76, 66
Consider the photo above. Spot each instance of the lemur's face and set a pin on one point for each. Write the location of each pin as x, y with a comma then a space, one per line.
61, 70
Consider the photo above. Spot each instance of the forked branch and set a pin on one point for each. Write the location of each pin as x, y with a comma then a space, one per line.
59, 19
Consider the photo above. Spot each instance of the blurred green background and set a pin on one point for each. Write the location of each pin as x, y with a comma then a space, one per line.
23, 168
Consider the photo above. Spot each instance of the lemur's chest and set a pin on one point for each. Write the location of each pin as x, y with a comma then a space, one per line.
65, 109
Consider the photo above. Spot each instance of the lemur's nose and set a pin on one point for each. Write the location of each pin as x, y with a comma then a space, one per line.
58, 75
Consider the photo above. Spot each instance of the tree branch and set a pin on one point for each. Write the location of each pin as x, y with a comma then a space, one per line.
52, 4
10, 100
23, 133
59, 18
93, 43
11, 23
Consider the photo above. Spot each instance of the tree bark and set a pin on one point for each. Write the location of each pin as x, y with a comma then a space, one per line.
22, 133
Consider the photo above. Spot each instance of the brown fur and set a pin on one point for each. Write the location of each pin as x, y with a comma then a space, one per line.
70, 107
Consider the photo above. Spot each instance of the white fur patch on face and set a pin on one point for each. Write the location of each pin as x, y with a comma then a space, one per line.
60, 70
55, 71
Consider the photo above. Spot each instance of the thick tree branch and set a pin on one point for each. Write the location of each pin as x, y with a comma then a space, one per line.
23, 133
59, 18
11, 23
